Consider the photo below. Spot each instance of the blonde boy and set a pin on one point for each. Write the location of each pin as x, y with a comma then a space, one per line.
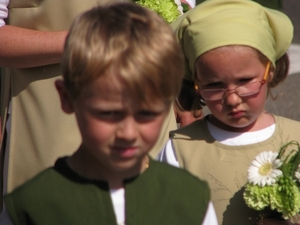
122, 68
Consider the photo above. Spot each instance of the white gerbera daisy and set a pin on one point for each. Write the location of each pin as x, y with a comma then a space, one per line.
264, 169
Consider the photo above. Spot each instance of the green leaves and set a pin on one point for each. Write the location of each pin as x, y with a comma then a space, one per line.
167, 9
185, 7
290, 155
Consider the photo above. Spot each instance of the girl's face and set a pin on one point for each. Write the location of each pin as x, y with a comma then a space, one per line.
227, 68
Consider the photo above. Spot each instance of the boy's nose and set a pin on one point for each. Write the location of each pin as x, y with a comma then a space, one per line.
127, 129
232, 98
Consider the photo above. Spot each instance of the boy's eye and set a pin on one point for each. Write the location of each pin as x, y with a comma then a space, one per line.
146, 115
110, 114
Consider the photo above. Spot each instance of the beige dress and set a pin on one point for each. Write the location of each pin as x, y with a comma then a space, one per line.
225, 167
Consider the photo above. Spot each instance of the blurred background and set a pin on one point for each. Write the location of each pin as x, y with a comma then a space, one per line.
287, 94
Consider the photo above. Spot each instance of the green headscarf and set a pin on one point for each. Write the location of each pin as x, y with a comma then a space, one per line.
217, 23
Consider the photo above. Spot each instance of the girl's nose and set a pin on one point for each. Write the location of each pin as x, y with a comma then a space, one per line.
232, 98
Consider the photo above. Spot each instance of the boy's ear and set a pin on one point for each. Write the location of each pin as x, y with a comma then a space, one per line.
66, 103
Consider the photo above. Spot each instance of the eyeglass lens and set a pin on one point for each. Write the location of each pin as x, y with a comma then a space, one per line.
242, 90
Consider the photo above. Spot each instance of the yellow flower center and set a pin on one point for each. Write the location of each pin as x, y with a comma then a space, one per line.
265, 169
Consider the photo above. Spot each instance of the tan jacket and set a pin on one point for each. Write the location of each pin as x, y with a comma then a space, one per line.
225, 167
40, 131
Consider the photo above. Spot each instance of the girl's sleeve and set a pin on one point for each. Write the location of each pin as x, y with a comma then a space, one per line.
168, 155
210, 217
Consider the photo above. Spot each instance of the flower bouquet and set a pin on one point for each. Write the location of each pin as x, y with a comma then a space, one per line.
273, 182
169, 10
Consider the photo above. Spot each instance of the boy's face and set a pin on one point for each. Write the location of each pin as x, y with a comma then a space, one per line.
117, 130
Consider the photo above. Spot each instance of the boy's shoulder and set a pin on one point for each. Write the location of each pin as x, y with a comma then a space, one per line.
180, 187
37, 190
178, 178
48, 181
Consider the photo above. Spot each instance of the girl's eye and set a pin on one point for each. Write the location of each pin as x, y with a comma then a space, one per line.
245, 80
214, 85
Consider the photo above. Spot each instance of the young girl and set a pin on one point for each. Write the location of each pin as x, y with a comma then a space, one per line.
236, 52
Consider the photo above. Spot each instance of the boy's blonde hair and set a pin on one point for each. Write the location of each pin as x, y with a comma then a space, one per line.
127, 41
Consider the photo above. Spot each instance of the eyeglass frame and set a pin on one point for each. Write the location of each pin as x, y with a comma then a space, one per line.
234, 90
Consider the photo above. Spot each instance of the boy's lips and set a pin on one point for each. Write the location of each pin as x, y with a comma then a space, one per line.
128, 151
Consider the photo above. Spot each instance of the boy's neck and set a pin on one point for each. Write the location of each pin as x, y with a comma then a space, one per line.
94, 171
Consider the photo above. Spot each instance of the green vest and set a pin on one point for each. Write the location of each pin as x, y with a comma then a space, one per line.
162, 195
225, 167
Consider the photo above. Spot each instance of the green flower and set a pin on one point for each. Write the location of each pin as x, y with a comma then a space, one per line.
169, 10
257, 197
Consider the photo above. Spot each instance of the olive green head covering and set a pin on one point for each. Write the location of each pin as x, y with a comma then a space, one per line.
217, 23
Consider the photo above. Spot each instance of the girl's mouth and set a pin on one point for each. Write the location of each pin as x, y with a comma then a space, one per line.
236, 114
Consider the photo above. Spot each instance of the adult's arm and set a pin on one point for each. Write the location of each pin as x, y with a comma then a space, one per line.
27, 48
23, 48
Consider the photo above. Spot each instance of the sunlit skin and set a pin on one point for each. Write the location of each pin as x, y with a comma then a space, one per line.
117, 130
228, 68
